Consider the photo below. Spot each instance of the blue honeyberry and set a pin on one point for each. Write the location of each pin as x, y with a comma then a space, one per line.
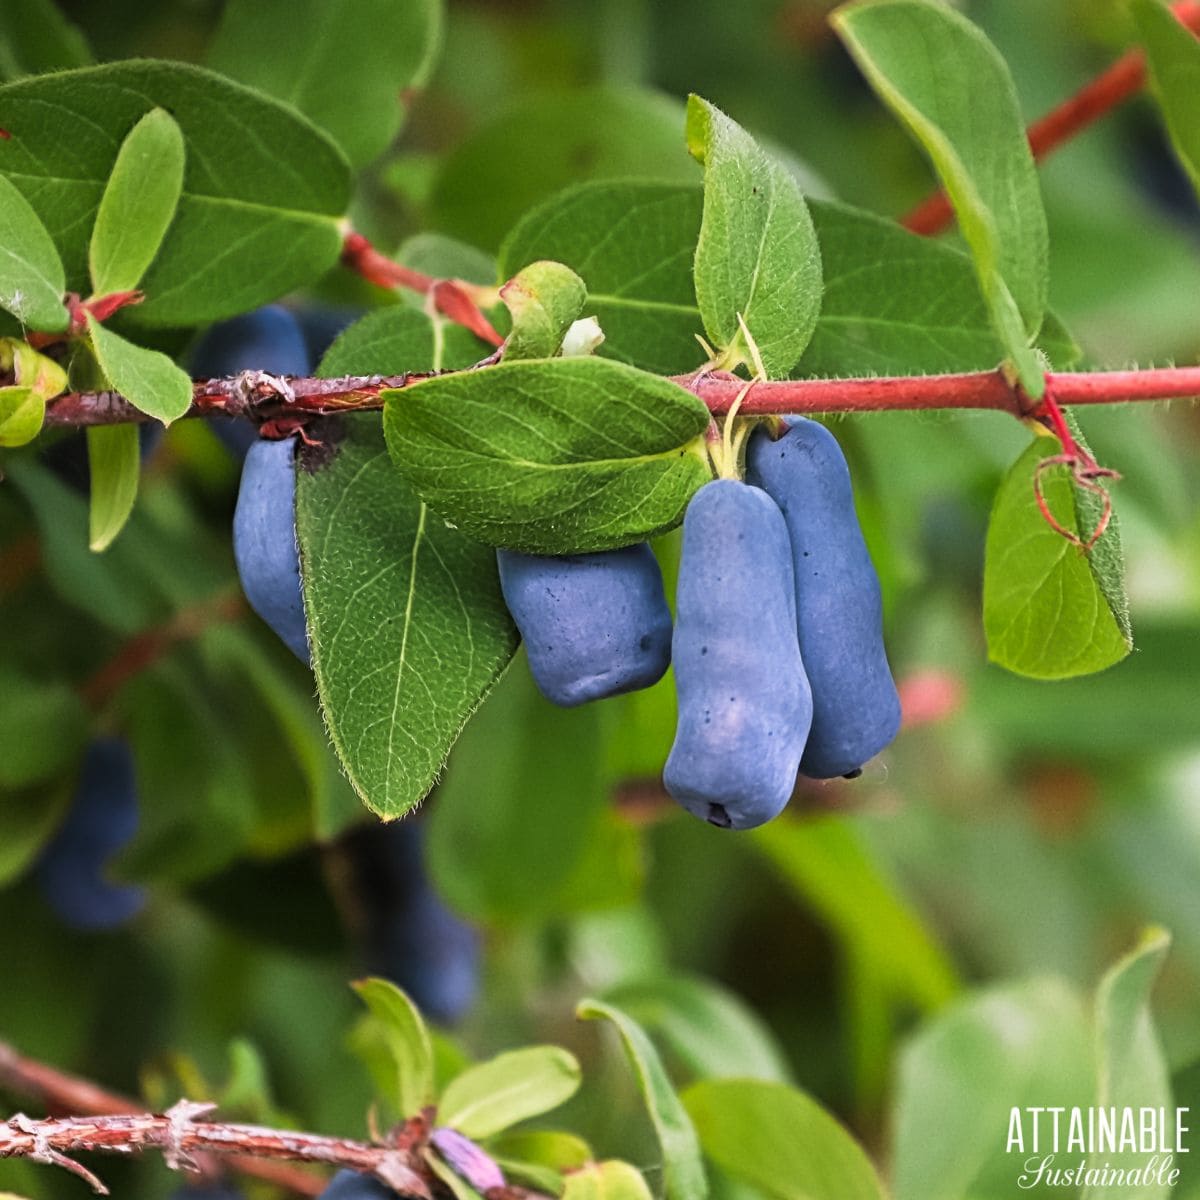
594, 625
839, 614
351, 1185
207, 1191
102, 819
269, 339
744, 700
411, 936
264, 541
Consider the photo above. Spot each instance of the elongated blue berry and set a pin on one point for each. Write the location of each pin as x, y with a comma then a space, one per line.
594, 625
269, 339
839, 615
351, 1185
744, 702
264, 541
409, 934
101, 820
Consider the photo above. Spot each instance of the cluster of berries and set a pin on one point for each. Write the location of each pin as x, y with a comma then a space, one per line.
777, 646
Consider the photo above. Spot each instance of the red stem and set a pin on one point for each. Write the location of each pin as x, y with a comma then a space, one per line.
268, 398
453, 298
1104, 93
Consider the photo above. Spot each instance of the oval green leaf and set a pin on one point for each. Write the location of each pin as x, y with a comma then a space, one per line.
683, 1170
543, 299
949, 86
114, 467
1133, 1071
345, 64
757, 260
148, 379
22, 413
138, 204
404, 1036
611, 1180
779, 1140
1174, 56
491, 1096
553, 456
32, 281
1050, 610
264, 193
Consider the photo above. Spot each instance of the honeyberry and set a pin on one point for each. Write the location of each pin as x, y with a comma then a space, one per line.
269, 339
264, 541
839, 613
351, 1185
411, 937
594, 625
744, 700
102, 818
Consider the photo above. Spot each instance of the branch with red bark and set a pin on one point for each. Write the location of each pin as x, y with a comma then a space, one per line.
287, 403
189, 1142
1113, 87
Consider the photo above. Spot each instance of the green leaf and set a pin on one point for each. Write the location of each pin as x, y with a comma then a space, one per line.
1050, 610
899, 304
757, 257
404, 1035
512, 1087
544, 299
35, 38
1132, 1068
610, 1180
408, 624
894, 303
32, 282
408, 627
455, 1184
1174, 57
148, 379
633, 245
947, 83
519, 807
200, 778
31, 369
544, 1147
779, 1140
963, 1074
345, 64
712, 1032
549, 140
22, 414
828, 864
42, 728
551, 457
138, 204
264, 192
28, 820
683, 1171
114, 465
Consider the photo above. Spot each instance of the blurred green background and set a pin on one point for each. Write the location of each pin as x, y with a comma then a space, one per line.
1016, 831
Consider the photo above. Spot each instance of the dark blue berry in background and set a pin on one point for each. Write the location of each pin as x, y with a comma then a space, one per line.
744, 701
207, 1191
408, 934
594, 625
269, 339
102, 819
264, 541
350, 1185
321, 324
839, 613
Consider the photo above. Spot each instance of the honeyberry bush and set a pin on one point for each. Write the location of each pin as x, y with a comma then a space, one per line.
823, 1007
